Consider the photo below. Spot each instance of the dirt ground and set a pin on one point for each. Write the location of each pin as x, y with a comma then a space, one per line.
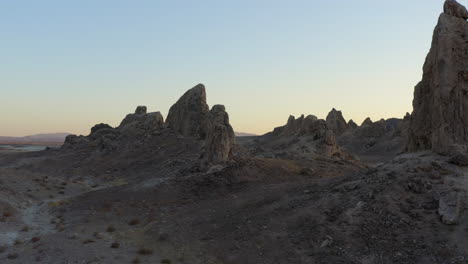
159, 207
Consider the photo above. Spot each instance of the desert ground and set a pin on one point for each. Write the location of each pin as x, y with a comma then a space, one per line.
185, 189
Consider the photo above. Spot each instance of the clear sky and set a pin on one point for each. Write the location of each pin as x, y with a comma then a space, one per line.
67, 65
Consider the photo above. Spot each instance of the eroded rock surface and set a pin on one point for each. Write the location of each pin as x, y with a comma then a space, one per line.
141, 120
220, 137
453, 8
189, 114
336, 122
440, 107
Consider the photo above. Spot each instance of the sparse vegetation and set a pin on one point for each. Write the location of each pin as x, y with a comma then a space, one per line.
145, 251
134, 222
166, 261
110, 229
88, 241
115, 245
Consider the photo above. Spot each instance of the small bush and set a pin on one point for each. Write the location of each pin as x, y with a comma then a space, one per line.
145, 251
134, 222
12, 256
110, 229
166, 261
115, 245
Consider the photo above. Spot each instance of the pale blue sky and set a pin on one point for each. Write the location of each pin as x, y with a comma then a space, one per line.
66, 65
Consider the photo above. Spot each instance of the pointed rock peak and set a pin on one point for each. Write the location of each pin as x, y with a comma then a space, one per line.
453, 8
367, 122
189, 114
352, 124
140, 110
439, 118
336, 122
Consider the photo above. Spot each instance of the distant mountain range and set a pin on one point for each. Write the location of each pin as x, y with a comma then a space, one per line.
54, 138
243, 134
59, 138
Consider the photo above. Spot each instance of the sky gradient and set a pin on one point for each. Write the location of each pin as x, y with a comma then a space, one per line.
67, 65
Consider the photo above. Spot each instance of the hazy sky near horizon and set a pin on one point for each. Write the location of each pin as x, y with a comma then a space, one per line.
67, 65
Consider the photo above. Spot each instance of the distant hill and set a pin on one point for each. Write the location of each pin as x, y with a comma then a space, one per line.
243, 134
54, 138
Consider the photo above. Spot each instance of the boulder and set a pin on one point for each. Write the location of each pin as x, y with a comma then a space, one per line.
451, 205
336, 122
220, 137
453, 8
140, 110
140, 120
189, 115
440, 105
98, 127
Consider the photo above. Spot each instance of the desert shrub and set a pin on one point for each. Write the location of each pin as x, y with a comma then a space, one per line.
145, 251
110, 229
115, 245
134, 222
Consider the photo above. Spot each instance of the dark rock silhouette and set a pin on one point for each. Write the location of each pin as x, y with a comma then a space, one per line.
336, 122
440, 106
220, 137
189, 115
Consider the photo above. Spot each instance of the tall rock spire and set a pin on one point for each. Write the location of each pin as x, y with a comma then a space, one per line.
439, 121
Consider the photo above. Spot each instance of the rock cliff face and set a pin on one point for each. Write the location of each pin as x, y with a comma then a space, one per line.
439, 121
189, 116
220, 137
336, 122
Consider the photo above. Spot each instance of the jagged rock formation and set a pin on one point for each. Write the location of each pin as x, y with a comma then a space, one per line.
336, 122
143, 132
352, 124
376, 141
189, 115
367, 122
453, 8
220, 137
304, 137
440, 107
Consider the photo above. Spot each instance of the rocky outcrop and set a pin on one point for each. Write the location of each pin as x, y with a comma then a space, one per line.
439, 121
352, 124
189, 116
220, 137
453, 8
367, 122
376, 141
336, 122
98, 127
140, 120
451, 206
304, 137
